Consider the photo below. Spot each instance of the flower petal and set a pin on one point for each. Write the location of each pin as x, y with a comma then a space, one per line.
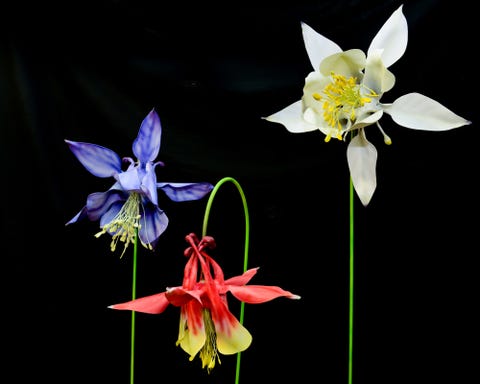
243, 278
377, 77
153, 304
110, 212
312, 107
236, 340
185, 191
179, 296
79, 216
362, 160
392, 38
98, 203
149, 184
349, 63
417, 111
232, 337
318, 47
147, 144
129, 180
98, 160
255, 294
152, 224
191, 334
367, 120
291, 118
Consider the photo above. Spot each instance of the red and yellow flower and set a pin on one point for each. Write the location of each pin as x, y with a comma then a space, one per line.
207, 327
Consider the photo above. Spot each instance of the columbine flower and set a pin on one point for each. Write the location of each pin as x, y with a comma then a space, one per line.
207, 327
131, 204
343, 94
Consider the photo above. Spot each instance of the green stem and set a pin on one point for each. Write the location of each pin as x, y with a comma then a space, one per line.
134, 296
245, 257
351, 290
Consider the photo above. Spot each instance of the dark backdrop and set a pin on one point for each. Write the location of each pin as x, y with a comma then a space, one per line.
91, 71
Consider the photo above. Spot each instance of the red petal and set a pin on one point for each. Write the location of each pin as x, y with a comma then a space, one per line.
242, 279
153, 304
254, 294
178, 296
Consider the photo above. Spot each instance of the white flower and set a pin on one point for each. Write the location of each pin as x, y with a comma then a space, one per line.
342, 95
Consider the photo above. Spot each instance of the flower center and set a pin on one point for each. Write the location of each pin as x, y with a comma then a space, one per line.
124, 225
209, 352
340, 99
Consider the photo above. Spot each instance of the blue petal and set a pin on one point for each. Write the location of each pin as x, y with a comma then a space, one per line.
79, 216
110, 213
147, 144
98, 160
129, 180
185, 191
98, 203
149, 185
152, 225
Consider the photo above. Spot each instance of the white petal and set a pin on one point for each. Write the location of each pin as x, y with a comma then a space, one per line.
362, 160
368, 120
318, 47
391, 38
377, 77
315, 82
313, 118
349, 63
291, 118
417, 111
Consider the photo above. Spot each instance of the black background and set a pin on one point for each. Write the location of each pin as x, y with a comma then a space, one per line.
91, 71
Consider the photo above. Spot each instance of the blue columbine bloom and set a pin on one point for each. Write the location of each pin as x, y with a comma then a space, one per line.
132, 202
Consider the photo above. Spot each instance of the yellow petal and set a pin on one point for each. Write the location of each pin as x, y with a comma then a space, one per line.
237, 339
190, 341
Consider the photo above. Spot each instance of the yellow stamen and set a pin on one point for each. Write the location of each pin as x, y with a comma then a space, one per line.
387, 140
124, 225
209, 352
340, 99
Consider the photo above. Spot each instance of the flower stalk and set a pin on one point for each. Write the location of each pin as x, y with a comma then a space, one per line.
350, 282
247, 239
134, 296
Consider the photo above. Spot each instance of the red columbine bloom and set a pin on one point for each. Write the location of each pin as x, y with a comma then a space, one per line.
207, 327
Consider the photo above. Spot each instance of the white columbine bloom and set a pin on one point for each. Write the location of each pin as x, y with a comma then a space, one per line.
343, 95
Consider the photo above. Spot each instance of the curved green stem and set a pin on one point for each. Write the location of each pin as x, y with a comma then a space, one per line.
351, 290
247, 233
134, 296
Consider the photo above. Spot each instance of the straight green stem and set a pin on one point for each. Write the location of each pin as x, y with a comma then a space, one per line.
351, 290
134, 296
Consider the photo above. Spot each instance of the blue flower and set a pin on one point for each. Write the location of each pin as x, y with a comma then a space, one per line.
131, 203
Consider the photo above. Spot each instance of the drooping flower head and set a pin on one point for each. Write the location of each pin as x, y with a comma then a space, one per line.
131, 204
342, 95
207, 327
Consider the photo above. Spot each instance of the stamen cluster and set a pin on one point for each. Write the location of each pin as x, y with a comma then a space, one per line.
341, 98
125, 224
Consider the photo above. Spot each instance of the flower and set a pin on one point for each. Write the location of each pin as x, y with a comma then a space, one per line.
343, 95
207, 327
131, 203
